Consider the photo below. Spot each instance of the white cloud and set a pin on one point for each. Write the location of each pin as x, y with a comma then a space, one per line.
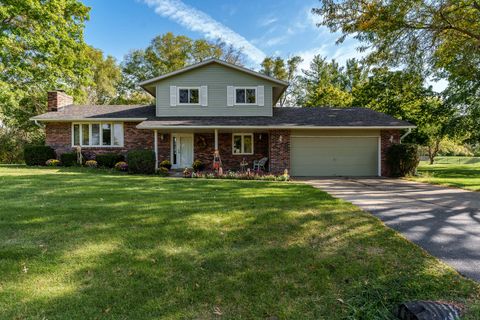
268, 21
308, 55
198, 21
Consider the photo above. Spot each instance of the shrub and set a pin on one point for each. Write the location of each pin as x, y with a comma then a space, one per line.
121, 166
402, 159
91, 163
163, 171
68, 159
198, 165
52, 162
165, 164
36, 155
141, 161
108, 160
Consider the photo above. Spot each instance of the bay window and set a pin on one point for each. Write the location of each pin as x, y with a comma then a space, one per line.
100, 134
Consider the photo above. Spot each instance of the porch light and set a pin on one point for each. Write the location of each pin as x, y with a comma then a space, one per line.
161, 136
280, 139
260, 136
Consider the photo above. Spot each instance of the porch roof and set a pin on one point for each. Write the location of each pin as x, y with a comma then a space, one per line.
286, 118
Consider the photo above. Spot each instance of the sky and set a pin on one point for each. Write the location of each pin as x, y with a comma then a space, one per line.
259, 27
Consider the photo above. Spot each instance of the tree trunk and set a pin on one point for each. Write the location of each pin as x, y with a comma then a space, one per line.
433, 151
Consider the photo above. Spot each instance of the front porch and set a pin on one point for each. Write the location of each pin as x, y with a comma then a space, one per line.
182, 148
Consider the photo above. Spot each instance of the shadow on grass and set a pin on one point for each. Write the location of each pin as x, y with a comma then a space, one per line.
78, 244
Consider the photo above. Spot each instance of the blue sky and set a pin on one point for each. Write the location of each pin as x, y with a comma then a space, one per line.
262, 28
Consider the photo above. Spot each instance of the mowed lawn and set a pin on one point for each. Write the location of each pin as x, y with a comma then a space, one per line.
80, 244
461, 172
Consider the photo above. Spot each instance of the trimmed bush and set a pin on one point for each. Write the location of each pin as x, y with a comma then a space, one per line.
68, 159
165, 164
141, 161
52, 163
36, 155
121, 166
91, 164
108, 160
402, 159
198, 166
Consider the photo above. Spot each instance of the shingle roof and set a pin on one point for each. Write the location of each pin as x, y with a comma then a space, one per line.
288, 117
282, 117
85, 112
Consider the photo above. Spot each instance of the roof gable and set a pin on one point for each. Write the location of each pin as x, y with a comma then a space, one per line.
147, 83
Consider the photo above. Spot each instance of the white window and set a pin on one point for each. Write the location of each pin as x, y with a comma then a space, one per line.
101, 134
242, 143
188, 95
247, 95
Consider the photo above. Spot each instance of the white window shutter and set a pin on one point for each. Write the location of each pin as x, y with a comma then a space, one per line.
204, 96
230, 96
260, 96
173, 96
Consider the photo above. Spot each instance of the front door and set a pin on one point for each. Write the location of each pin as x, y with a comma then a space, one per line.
182, 150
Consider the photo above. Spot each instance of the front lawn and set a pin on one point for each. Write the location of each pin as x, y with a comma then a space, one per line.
84, 244
461, 172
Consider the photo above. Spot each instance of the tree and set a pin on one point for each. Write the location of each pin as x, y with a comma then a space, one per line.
106, 75
277, 68
167, 53
403, 95
438, 36
328, 84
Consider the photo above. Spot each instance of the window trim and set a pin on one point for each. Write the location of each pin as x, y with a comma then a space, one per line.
246, 103
242, 147
80, 136
189, 88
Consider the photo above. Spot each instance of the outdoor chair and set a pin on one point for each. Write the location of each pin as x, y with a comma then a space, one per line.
260, 164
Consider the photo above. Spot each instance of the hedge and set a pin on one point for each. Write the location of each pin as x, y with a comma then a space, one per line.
108, 160
37, 155
402, 159
68, 159
141, 161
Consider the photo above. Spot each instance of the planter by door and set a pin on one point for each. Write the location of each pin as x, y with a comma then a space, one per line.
182, 150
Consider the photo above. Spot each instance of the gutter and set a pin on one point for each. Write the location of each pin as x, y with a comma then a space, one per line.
405, 134
38, 124
140, 126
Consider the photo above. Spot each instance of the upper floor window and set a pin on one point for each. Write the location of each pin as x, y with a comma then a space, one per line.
101, 134
245, 95
188, 95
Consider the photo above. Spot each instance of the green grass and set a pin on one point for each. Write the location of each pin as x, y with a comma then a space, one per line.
461, 172
84, 244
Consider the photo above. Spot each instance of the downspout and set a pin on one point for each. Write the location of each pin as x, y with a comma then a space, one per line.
38, 124
405, 134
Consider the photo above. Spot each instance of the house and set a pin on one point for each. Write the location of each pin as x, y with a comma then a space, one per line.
214, 105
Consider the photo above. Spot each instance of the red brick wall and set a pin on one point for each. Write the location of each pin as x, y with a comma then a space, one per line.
163, 147
59, 137
204, 146
388, 137
58, 100
279, 150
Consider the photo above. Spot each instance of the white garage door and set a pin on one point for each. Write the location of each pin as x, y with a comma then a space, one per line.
334, 156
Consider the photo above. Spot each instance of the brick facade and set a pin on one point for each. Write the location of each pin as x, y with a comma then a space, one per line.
59, 137
279, 150
204, 146
387, 138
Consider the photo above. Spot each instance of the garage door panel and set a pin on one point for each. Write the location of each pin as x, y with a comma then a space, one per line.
334, 156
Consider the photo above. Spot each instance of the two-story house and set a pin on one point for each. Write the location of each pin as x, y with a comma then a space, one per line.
214, 105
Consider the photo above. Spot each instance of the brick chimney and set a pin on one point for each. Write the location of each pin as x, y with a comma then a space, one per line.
57, 100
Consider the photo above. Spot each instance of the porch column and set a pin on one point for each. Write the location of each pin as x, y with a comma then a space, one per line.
155, 146
216, 139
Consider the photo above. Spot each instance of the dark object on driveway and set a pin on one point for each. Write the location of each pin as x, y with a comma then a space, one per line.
428, 310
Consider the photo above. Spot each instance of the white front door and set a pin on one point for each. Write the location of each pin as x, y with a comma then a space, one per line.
182, 150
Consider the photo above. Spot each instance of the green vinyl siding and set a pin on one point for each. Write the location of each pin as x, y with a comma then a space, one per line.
334, 156
217, 78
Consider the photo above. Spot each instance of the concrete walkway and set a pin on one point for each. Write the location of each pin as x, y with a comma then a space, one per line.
444, 221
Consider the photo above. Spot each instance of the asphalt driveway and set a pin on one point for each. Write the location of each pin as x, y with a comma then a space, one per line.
444, 221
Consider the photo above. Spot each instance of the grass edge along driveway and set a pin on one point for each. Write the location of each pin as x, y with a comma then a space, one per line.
79, 244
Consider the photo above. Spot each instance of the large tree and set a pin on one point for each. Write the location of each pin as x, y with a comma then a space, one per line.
167, 53
278, 68
41, 48
443, 35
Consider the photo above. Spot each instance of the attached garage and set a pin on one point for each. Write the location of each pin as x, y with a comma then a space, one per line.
317, 155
